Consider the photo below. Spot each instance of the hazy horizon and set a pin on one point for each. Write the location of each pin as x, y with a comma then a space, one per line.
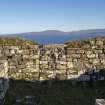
51, 30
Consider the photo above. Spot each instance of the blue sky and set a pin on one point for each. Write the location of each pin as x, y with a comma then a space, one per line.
38, 15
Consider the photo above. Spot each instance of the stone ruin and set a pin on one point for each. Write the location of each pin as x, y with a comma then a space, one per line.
78, 60
4, 85
57, 61
4, 81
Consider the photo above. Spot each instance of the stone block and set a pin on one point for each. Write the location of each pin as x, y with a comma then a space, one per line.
12, 51
71, 51
99, 42
75, 55
61, 76
98, 51
15, 47
91, 55
96, 61
101, 56
102, 61
70, 65
80, 51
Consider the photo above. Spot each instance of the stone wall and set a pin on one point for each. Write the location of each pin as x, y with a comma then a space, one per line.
19, 62
4, 85
45, 62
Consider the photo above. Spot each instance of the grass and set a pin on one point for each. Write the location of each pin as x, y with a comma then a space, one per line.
16, 41
63, 93
80, 43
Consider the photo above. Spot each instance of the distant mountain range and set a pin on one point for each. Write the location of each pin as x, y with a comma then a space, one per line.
55, 36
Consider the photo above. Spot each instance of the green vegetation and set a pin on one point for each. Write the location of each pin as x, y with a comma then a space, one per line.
63, 93
80, 43
73, 44
16, 41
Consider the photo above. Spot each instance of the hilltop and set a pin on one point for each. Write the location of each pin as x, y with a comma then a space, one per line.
58, 37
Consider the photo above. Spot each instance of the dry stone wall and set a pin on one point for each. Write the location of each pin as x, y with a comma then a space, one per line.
46, 62
4, 85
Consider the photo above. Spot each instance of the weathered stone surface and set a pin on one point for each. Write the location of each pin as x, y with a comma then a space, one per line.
96, 61
4, 85
70, 64
100, 102
80, 51
91, 55
27, 61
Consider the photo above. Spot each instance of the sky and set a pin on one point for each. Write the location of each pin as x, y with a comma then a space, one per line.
38, 15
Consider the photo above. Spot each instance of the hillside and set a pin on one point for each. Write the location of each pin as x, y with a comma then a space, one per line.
16, 41
55, 36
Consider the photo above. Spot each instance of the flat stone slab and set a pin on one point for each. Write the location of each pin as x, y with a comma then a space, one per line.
100, 102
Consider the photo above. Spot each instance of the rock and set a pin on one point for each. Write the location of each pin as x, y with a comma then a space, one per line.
96, 61
91, 55
100, 102
70, 65
4, 85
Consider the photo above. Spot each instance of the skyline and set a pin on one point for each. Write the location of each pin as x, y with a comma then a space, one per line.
39, 15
